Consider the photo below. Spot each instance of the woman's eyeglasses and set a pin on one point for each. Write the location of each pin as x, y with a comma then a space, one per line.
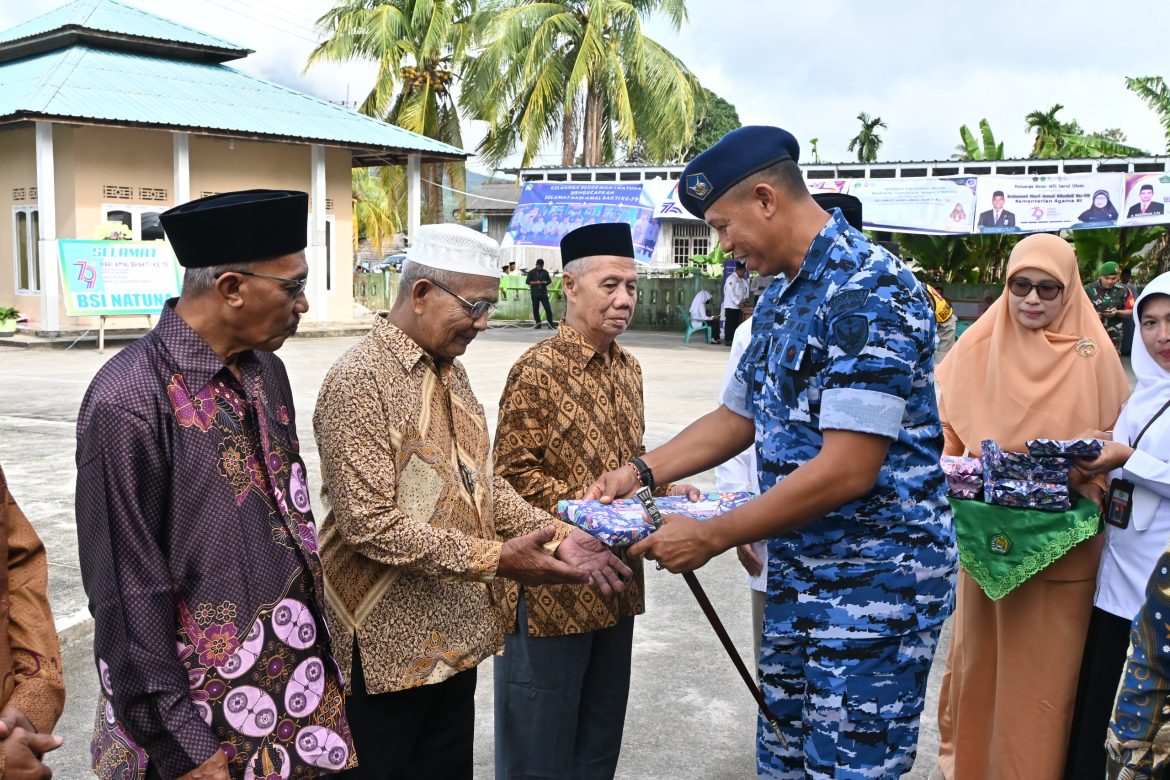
1022, 288
474, 310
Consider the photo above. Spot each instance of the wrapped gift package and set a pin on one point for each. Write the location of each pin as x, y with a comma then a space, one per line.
998, 464
1051, 497
1072, 448
624, 522
964, 476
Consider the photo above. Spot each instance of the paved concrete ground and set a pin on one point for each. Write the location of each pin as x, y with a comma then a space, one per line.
689, 715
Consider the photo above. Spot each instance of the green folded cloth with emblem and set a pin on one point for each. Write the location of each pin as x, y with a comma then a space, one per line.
1003, 547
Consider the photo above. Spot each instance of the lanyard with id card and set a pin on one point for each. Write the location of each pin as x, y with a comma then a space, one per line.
1119, 499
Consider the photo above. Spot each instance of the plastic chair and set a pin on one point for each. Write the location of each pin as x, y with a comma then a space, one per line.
691, 327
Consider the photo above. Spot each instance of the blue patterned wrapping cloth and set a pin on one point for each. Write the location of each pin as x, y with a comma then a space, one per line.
998, 464
1072, 448
964, 476
1049, 496
623, 522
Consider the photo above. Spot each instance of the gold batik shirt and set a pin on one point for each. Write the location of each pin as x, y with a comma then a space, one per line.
566, 418
413, 537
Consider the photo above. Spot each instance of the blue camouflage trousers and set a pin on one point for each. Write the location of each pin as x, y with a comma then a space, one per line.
848, 708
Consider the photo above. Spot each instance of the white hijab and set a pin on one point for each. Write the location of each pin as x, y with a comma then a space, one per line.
699, 307
1151, 393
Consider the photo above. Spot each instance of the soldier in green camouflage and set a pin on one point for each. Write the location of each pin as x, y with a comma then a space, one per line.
1112, 300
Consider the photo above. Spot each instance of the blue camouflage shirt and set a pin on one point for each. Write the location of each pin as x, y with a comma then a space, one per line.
848, 345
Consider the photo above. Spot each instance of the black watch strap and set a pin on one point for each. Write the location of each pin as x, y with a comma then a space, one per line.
645, 475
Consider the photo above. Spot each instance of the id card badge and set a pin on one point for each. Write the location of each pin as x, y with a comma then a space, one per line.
1119, 503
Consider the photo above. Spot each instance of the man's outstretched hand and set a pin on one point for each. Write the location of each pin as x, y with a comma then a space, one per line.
525, 560
586, 553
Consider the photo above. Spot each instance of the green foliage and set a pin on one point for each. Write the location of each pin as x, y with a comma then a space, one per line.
970, 148
1127, 247
420, 47
867, 142
579, 68
1153, 90
1056, 139
717, 119
816, 155
379, 205
9, 313
967, 259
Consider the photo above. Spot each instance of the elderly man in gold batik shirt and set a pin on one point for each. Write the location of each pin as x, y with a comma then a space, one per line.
419, 525
571, 410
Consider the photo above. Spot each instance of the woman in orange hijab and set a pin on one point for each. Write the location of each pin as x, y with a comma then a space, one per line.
1038, 364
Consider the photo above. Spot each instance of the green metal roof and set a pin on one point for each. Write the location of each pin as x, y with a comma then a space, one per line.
114, 18
84, 84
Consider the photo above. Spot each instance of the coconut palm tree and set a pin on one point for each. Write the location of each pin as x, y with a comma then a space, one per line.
867, 141
1049, 132
580, 69
970, 149
1055, 138
379, 205
419, 47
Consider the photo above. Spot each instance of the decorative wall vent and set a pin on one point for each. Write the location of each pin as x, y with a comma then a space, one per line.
329, 204
18, 193
206, 194
155, 194
117, 192
32, 193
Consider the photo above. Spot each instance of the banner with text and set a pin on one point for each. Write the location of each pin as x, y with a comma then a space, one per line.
943, 205
549, 210
1146, 198
106, 278
1024, 204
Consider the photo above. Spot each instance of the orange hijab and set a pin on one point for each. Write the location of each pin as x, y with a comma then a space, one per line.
1006, 382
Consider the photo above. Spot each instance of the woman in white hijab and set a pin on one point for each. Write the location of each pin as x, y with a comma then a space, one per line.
1138, 452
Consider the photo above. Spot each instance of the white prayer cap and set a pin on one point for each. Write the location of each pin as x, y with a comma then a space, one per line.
455, 248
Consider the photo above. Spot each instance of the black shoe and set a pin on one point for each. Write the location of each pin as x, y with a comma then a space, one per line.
554, 324
536, 326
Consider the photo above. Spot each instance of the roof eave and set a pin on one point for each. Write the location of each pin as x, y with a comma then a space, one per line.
364, 155
70, 35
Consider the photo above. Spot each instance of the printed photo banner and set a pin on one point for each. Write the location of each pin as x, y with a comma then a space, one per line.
928, 205
106, 278
1147, 198
548, 210
1025, 204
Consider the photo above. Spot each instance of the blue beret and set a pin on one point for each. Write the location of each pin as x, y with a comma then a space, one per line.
237, 227
732, 159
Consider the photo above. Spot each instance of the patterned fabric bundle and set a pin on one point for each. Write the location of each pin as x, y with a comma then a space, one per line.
623, 522
964, 476
1073, 448
1049, 496
1016, 479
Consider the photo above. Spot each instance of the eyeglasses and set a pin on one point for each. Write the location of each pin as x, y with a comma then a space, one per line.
294, 287
474, 310
1048, 291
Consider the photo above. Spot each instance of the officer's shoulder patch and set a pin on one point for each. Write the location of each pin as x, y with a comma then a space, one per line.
851, 333
846, 300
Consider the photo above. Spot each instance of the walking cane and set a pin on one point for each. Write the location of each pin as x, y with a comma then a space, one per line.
644, 496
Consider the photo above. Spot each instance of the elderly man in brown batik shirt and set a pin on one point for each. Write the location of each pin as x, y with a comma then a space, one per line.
571, 410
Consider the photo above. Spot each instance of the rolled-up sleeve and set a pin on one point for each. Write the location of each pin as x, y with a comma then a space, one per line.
874, 350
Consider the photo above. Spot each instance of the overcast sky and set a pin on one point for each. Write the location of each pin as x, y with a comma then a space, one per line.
924, 66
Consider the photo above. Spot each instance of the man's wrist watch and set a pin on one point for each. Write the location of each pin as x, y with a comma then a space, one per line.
643, 472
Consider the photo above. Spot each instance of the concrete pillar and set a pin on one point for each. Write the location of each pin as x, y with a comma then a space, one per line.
182, 168
413, 195
47, 234
317, 255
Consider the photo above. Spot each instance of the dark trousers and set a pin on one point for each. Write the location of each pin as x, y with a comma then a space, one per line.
423, 733
731, 320
537, 299
1101, 669
561, 702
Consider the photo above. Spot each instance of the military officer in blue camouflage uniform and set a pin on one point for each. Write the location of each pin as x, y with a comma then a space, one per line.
837, 392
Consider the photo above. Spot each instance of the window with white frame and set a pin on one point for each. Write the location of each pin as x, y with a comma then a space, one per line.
143, 220
26, 248
690, 239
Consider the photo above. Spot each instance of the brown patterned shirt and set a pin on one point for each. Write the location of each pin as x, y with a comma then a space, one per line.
566, 417
413, 538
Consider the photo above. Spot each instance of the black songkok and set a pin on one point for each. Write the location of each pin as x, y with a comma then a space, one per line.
849, 204
604, 238
237, 227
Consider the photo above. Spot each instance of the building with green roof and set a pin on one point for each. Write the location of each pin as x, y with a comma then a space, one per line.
112, 114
